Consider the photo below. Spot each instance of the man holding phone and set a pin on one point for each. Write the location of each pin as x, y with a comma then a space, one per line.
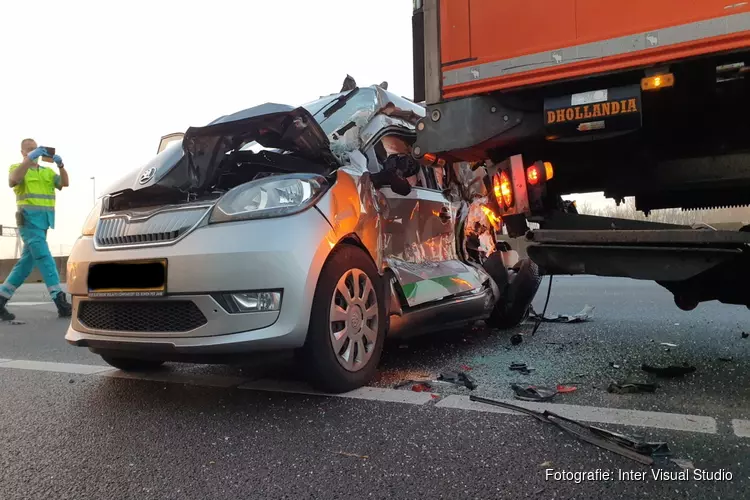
34, 186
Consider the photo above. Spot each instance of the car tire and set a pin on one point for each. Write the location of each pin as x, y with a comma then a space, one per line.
495, 267
353, 362
132, 364
522, 287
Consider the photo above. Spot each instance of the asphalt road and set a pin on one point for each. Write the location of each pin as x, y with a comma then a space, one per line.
72, 428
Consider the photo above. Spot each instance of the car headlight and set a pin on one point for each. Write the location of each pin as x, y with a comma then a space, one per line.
274, 196
89, 227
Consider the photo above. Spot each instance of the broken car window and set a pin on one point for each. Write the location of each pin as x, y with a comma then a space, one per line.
359, 109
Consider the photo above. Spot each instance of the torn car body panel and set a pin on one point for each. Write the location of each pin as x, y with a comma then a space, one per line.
412, 235
276, 126
420, 247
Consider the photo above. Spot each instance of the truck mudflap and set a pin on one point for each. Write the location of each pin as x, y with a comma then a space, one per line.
696, 265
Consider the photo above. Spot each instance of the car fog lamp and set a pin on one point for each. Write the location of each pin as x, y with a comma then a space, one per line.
257, 301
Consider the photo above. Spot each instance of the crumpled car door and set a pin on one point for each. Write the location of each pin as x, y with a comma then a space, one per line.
420, 247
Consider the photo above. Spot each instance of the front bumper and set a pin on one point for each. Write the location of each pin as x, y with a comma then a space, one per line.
283, 253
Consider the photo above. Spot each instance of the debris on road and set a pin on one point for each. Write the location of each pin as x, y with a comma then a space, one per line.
745, 335
413, 383
631, 387
613, 365
668, 344
533, 393
668, 371
565, 389
521, 368
466, 368
516, 339
682, 463
727, 359
650, 448
16, 322
458, 378
616, 443
584, 315
421, 387
354, 455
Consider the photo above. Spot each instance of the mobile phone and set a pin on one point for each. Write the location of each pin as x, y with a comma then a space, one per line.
51, 152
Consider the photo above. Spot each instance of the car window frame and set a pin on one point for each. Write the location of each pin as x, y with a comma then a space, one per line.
369, 152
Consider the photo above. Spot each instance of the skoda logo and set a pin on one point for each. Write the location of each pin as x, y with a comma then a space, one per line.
147, 175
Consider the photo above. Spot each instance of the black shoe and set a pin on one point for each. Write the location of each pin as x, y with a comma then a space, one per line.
5, 314
64, 309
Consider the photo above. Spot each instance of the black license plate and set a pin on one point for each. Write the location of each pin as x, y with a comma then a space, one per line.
597, 111
146, 278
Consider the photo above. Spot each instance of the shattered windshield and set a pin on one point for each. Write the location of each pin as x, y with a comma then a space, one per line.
359, 109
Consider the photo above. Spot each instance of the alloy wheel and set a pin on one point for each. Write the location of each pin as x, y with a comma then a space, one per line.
353, 320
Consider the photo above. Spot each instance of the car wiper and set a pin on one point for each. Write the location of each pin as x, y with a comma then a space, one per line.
338, 103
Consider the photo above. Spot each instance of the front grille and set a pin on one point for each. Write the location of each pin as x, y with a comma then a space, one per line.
161, 227
141, 316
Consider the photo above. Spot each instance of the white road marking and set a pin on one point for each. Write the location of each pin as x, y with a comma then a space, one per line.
368, 393
26, 304
46, 366
636, 418
178, 378
464, 403
741, 428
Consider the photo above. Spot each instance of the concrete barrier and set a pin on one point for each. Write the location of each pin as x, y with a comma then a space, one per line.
7, 264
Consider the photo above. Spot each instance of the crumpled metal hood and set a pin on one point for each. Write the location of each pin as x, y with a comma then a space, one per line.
192, 167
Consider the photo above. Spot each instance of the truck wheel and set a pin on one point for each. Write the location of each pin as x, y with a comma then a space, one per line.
347, 323
522, 287
132, 364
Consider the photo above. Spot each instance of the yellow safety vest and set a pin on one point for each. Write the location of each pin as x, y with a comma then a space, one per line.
37, 191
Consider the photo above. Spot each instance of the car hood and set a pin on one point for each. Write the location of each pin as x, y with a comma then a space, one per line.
192, 167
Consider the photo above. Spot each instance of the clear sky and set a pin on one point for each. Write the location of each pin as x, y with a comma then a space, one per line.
102, 81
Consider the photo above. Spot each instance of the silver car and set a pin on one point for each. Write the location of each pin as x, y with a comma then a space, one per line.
310, 228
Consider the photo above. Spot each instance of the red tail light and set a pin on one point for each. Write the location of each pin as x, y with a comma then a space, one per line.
496, 188
506, 190
533, 175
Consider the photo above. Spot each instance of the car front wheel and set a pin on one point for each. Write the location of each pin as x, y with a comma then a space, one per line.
347, 323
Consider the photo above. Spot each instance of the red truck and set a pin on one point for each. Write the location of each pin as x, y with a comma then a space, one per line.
636, 98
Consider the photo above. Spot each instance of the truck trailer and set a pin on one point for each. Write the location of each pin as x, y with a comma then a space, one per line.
648, 99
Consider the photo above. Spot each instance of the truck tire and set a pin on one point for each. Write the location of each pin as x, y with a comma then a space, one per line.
347, 323
132, 364
522, 287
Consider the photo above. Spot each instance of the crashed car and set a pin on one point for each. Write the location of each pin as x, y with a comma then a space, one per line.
306, 228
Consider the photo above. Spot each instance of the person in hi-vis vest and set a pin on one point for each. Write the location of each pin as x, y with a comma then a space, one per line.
34, 186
